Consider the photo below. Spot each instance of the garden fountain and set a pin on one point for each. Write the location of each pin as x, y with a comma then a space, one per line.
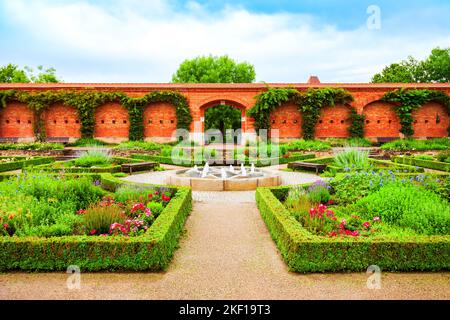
221, 178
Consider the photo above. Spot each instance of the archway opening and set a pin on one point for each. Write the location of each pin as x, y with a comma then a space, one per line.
223, 120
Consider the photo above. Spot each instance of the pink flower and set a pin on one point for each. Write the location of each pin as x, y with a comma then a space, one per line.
6, 226
366, 224
376, 219
148, 212
332, 234
93, 231
81, 211
343, 222
348, 232
355, 233
103, 235
330, 202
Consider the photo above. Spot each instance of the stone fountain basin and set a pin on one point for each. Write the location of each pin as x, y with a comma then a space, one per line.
269, 179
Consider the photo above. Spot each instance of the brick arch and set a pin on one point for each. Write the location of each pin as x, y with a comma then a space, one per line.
231, 103
160, 120
16, 121
287, 119
112, 122
381, 120
333, 122
430, 120
61, 121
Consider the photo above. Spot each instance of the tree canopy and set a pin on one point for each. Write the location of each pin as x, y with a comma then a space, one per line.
13, 74
435, 68
212, 69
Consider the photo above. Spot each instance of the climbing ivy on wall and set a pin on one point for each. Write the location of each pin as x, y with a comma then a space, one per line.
356, 129
409, 100
85, 102
309, 104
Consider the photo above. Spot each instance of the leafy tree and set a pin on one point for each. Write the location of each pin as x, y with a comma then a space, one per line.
223, 117
436, 68
13, 74
212, 69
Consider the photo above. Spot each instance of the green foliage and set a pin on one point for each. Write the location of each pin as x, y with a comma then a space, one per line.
20, 163
436, 68
352, 159
39, 146
222, 117
92, 158
443, 156
213, 69
356, 129
421, 145
318, 193
88, 142
307, 145
409, 100
139, 146
408, 206
348, 142
155, 207
132, 193
13, 74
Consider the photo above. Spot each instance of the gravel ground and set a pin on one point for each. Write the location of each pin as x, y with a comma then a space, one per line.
225, 253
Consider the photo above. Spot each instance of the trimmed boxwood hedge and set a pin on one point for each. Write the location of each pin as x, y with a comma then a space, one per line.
305, 252
190, 163
21, 163
430, 164
151, 251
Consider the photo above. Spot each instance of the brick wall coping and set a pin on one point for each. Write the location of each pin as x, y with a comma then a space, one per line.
213, 86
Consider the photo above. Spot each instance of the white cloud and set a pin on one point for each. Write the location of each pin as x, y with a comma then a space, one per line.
145, 41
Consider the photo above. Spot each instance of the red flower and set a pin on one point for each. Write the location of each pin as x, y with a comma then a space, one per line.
165, 198
355, 233
348, 232
332, 234
156, 193
137, 206
366, 224
330, 202
150, 196
81, 211
93, 231
6, 226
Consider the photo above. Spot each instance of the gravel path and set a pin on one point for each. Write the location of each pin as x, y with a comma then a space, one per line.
225, 253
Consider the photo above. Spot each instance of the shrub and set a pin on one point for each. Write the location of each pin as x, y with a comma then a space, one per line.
352, 159
140, 145
443, 156
308, 145
88, 142
155, 207
350, 142
409, 206
424, 157
93, 158
129, 193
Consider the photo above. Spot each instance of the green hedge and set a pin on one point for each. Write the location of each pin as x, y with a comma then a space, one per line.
435, 165
305, 252
151, 251
190, 163
22, 163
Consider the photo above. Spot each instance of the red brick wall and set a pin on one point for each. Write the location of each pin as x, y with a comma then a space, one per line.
425, 124
61, 121
381, 120
16, 121
288, 120
333, 122
111, 121
160, 120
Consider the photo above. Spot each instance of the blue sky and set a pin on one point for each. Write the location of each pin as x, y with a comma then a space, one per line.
145, 41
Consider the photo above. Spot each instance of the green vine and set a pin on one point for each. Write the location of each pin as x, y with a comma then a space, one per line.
309, 104
85, 102
356, 129
409, 100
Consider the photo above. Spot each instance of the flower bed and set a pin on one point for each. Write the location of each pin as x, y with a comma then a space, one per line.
54, 222
430, 164
71, 166
15, 162
362, 219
